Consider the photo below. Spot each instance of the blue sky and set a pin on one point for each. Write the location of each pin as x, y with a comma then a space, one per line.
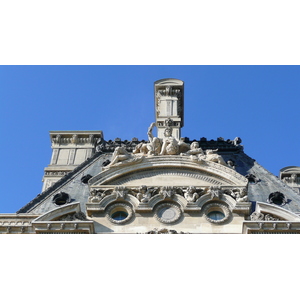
260, 104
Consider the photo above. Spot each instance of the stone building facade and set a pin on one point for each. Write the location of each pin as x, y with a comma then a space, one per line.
167, 184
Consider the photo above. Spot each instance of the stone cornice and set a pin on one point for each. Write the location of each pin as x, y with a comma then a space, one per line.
75, 137
225, 175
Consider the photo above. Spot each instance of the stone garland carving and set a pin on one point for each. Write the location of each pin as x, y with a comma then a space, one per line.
144, 193
257, 216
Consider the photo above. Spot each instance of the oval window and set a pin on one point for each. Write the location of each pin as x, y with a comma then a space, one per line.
119, 215
216, 215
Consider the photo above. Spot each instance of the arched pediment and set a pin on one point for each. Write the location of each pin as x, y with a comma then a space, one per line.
277, 211
169, 171
59, 211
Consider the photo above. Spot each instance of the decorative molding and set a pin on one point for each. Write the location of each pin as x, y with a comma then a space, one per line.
56, 173
173, 165
255, 216
114, 207
219, 207
171, 211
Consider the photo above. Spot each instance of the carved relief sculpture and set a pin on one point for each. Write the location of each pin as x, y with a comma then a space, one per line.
120, 192
191, 195
211, 155
122, 157
195, 152
167, 192
240, 195
144, 194
215, 192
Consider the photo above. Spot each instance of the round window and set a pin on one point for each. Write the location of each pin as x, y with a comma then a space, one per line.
216, 213
167, 213
119, 213
61, 198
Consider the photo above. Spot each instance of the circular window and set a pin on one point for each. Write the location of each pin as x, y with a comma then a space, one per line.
86, 178
277, 198
167, 213
119, 213
216, 213
61, 198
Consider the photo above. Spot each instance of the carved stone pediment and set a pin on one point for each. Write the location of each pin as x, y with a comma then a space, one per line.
170, 171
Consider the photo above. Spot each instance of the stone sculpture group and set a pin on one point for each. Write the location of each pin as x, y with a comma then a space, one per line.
169, 145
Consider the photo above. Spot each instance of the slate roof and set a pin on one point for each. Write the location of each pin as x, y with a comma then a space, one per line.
245, 165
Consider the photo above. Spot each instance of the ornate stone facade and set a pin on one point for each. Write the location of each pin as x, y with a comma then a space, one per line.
165, 184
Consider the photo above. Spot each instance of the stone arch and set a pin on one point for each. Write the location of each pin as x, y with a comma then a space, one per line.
207, 198
169, 170
112, 199
59, 212
155, 200
277, 211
